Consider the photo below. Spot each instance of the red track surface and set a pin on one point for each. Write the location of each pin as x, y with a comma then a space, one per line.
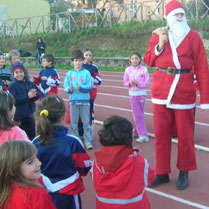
113, 99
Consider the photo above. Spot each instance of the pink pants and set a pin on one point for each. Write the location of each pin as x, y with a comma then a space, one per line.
138, 107
164, 121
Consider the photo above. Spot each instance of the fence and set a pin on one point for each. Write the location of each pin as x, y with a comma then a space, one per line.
114, 14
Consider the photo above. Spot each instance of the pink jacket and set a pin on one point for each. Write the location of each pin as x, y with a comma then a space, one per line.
141, 75
14, 133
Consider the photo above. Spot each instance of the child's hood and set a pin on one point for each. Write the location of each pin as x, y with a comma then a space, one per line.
112, 157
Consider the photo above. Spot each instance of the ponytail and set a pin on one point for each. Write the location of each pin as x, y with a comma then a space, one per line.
49, 111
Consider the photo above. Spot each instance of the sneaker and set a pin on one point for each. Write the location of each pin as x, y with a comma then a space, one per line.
142, 139
89, 145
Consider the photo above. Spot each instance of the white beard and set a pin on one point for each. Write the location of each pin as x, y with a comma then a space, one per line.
178, 27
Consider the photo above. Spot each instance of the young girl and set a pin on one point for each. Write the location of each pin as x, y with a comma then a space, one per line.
26, 93
19, 175
136, 77
8, 129
64, 159
120, 174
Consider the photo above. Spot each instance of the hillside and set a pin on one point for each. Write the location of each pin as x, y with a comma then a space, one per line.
119, 40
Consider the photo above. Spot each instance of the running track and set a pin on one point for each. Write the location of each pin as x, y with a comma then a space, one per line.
113, 99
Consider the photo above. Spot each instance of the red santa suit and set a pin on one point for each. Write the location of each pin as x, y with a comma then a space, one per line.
120, 175
174, 95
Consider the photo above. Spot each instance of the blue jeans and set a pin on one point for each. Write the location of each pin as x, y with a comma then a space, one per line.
80, 110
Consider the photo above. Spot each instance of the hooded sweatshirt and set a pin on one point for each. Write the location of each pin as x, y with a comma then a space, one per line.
120, 175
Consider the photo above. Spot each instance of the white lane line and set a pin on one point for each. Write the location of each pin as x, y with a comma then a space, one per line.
146, 113
116, 95
177, 199
116, 86
197, 147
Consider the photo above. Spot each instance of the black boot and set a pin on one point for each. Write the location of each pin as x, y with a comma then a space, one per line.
160, 179
183, 180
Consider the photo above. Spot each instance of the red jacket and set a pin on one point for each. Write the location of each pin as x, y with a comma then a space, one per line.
184, 94
28, 198
120, 175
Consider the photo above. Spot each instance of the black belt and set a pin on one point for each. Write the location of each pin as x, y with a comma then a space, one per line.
172, 70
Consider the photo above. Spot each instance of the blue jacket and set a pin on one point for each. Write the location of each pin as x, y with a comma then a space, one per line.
24, 105
83, 79
50, 86
64, 161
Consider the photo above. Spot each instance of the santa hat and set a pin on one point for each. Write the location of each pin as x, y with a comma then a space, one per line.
174, 7
16, 66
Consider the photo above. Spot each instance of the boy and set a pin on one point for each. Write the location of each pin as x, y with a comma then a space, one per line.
120, 174
48, 79
5, 74
78, 84
14, 57
97, 81
25, 94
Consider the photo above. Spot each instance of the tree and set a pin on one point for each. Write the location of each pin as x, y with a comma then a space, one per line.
93, 3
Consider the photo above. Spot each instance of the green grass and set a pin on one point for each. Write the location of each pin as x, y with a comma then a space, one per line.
101, 69
120, 40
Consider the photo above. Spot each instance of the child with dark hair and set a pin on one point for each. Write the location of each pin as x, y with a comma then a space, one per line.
136, 78
25, 93
78, 84
48, 79
14, 57
97, 81
5, 74
8, 128
20, 177
64, 159
120, 174
41, 46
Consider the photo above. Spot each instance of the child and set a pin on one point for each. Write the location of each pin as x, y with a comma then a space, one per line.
48, 79
8, 129
120, 174
88, 65
136, 77
64, 159
5, 73
78, 83
19, 175
41, 46
14, 57
25, 93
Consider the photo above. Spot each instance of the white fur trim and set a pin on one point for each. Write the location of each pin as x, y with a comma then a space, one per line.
176, 11
159, 101
178, 66
157, 53
174, 106
204, 106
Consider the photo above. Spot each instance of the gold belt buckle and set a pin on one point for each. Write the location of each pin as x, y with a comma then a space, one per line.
171, 70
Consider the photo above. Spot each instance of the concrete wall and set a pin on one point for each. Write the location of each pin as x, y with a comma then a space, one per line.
117, 62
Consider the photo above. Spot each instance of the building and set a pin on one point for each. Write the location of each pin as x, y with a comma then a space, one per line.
21, 10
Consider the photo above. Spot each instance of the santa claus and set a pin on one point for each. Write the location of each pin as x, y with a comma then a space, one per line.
177, 52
